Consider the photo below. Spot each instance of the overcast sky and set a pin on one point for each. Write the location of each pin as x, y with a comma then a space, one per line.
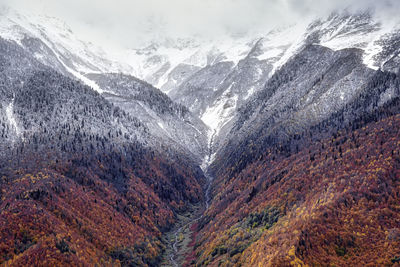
132, 21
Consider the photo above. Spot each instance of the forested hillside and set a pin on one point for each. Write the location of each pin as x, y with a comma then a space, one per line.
327, 196
82, 181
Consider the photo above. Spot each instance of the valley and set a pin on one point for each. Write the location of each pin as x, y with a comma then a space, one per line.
279, 148
181, 237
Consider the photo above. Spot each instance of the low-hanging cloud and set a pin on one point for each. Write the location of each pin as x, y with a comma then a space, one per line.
131, 22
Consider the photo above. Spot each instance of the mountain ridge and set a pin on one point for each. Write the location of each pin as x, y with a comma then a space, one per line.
273, 150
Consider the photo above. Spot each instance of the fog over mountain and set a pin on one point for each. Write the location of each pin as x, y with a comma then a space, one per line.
109, 21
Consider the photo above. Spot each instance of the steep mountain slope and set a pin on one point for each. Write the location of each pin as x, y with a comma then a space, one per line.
22, 76
73, 166
314, 151
309, 88
215, 92
333, 201
175, 66
165, 119
321, 72
52, 43
215, 89
212, 78
315, 191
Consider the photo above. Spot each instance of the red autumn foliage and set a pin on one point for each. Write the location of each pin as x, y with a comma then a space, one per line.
76, 211
334, 203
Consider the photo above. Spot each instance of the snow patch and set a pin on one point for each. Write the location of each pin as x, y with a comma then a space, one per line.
161, 125
271, 53
250, 92
370, 52
290, 40
221, 112
11, 118
81, 77
210, 156
347, 34
208, 159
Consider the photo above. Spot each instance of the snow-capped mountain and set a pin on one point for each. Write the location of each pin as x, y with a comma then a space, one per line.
36, 100
216, 92
52, 43
335, 69
57, 43
212, 78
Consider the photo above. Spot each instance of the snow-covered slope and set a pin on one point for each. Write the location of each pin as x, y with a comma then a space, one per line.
212, 78
166, 120
361, 31
215, 93
156, 62
81, 56
52, 43
199, 76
